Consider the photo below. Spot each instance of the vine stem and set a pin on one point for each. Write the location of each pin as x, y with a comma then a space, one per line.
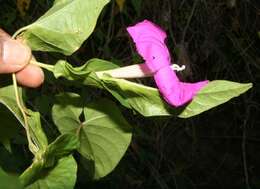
19, 31
23, 111
43, 65
32, 146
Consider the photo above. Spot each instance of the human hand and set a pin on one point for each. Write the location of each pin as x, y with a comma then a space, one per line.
15, 58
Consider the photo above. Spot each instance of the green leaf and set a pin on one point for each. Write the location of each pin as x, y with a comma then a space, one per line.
83, 74
36, 132
62, 176
62, 146
215, 93
104, 134
9, 181
108, 136
47, 158
147, 100
7, 98
65, 26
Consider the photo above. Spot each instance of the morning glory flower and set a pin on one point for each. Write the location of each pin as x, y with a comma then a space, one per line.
149, 40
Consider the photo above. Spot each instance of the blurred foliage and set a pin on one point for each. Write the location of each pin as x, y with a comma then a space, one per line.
215, 40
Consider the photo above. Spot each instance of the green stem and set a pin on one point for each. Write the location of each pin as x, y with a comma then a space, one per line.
19, 103
32, 147
18, 32
42, 65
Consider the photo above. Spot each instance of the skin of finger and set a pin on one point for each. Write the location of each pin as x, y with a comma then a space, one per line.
31, 76
3, 34
10, 68
3, 67
14, 55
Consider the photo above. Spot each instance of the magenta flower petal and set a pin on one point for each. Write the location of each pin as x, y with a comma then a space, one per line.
150, 30
175, 92
149, 40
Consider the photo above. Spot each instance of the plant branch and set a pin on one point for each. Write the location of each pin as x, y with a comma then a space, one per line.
32, 147
43, 65
19, 31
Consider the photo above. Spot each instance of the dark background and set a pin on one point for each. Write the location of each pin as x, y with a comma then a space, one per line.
215, 40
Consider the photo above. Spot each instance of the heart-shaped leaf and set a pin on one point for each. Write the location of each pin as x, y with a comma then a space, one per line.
104, 134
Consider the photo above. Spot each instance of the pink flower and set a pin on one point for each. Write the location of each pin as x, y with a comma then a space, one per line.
149, 41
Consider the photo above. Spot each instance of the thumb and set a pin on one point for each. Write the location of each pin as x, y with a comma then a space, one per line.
13, 55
